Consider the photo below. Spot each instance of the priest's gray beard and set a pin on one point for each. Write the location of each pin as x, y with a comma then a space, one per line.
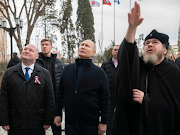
152, 58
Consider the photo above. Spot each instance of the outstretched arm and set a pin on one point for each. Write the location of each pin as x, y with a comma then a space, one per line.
134, 19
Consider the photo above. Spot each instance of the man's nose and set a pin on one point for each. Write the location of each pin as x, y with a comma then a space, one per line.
150, 44
26, 50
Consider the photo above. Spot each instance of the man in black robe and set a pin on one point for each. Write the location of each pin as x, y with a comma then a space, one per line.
148, 101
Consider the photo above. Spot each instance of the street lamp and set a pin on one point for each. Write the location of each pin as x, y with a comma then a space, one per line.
139, 41
19, 24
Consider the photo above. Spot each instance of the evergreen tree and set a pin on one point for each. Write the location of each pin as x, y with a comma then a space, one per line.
85, 21
108, 50
67, 29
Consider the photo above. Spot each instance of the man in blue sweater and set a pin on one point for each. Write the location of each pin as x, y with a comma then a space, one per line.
84, 92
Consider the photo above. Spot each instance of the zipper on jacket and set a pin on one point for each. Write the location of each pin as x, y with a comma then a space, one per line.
81, 75
76, 90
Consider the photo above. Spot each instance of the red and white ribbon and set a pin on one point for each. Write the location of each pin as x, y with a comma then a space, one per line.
36, 80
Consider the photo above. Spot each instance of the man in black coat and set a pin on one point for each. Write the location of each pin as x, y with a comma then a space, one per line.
84, 93
111, 70
177, 61
49, 61
14, 61
59, 57
148, 94
26, 97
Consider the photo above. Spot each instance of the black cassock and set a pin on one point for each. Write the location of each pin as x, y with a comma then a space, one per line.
159, 113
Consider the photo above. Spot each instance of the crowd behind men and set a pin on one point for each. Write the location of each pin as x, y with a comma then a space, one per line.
128, 95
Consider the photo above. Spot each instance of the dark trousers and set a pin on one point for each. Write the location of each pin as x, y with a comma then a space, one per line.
71, 129
111, 114
56, 130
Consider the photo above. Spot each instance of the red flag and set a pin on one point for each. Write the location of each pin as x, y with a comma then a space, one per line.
94, 3
107, 2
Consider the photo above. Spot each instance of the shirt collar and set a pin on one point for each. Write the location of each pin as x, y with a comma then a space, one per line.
115, 63
113, 60
31, 66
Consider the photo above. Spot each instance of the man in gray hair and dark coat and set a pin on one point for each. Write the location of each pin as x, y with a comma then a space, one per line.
148, 101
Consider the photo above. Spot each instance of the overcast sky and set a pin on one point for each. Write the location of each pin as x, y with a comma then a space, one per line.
162, 15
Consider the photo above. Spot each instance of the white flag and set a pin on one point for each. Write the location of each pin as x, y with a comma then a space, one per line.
117, 1
94, 3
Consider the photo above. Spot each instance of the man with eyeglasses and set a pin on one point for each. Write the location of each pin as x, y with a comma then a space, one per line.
148, 100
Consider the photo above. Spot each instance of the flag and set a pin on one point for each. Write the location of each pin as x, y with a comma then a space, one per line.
107, 2
117, 1
94, 3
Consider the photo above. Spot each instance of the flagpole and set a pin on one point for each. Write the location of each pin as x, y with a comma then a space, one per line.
114, 21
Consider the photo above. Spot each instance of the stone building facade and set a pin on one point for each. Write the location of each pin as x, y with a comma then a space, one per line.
3, 41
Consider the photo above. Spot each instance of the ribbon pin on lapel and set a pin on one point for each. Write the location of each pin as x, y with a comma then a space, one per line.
36, 80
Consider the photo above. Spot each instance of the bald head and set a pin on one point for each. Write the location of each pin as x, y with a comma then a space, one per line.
87, 49
58, 54
29, 54
32, 46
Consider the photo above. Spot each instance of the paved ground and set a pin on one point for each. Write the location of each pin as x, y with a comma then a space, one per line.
48, 132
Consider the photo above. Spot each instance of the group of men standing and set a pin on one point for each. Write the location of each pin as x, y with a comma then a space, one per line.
30, 88
142, 92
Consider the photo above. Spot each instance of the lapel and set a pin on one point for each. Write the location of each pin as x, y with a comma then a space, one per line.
19, 70
34, 73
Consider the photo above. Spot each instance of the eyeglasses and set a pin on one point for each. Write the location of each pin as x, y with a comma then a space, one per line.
152, 42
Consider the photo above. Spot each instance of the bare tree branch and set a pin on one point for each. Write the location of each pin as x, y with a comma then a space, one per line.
7, 4
14, 8
30, 7
33, 9
22, 8
4, 6
27, 14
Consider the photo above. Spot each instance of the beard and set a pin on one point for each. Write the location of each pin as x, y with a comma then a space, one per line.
152, 58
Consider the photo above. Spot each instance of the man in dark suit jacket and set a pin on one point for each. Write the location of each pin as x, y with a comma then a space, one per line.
26, 97
84, 92
110, 67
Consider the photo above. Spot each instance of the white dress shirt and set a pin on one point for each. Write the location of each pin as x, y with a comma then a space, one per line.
31, 68
115, 63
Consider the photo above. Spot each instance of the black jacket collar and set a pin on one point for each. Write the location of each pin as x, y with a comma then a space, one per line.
89, 62
53, 55
161, 68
